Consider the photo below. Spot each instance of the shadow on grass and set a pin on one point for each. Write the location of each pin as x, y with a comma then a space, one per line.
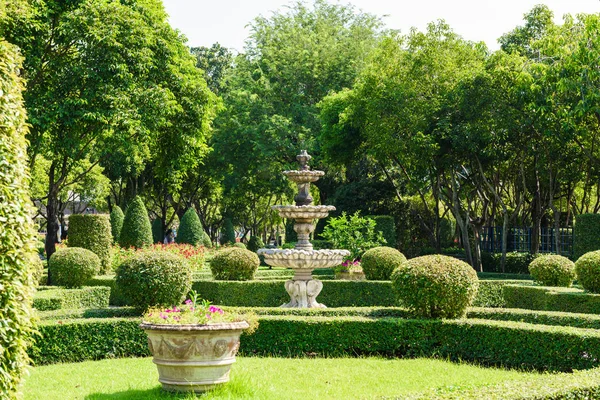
150, 394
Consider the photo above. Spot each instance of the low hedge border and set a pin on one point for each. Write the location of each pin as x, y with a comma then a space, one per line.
500, 343
113, 312
51, 298
547, 298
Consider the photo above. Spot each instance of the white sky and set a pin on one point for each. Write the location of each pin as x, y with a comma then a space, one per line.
205, 22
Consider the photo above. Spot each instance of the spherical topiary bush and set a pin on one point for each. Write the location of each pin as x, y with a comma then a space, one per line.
255, 243
378, 263
92, 232
154, 278
239, 245
136, 231
72, 267
587, 269
234, 264
436, 286
190, 229
552, 270
116, 222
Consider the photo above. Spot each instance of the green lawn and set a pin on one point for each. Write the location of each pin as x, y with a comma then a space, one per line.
266, 378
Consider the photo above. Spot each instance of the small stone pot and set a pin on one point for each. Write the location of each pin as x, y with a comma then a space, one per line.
193, 357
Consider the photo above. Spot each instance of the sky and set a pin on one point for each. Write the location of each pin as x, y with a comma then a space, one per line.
205, 22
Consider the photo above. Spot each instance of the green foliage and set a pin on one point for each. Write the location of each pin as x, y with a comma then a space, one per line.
516, 263
239, 245
551, 299
136, 231
57, 299
190, 229
255, 243
154, 278
228, 236
157, 231
436, 286
552, 270
290, 234
206, 242
321, 244
587, 269
378, 263
72, 267
116, 222
234, 264
387, 226
355, 233
586, 234
499, 343
17, 238
92, 232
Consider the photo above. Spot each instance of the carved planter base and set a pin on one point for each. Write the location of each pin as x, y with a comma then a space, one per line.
303, 290
193, 357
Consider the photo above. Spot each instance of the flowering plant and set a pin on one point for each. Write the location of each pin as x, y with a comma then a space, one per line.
194, 254
348, 266
194, 312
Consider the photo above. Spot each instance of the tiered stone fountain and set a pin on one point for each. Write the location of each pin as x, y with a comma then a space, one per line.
302, 288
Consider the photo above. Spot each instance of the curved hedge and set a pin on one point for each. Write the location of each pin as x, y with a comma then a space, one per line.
234, 264
136, 231
552, 270
378, 263
116, 222
587, 269
586, 234
190, 229
436, 286
154, 278
72, 267
17, 233
92, 232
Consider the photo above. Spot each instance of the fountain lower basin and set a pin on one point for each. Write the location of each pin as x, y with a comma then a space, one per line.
303, 259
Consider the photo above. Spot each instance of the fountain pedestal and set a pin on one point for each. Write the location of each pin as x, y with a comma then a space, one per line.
302, 288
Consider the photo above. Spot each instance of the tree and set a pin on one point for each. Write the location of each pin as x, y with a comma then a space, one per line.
136, 231
215, 61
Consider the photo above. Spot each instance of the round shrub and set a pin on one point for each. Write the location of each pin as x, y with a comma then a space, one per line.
378, 263
116, 222
234, 264
154, 278
552, 270
436, 286
239, 245
190, 229
92, 232
587, 269
72, 267
136, 231
255, 243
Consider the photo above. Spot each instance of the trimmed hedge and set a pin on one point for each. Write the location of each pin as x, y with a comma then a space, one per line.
255, 243
78, 313
552, 270
516, 263
509, 344
190, 229
92, 232
557, 318
387, 226
17, 243
551, 299
587, 269
116, 222
378, 263
73, 266
56, 299
234, 264
136, 231
586, 234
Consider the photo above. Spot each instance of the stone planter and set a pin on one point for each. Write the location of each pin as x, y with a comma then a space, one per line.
193, 357
350, 276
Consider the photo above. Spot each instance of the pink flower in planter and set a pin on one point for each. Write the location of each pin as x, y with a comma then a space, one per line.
214, 309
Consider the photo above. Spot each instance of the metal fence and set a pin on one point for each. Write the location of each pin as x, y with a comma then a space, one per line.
519, 239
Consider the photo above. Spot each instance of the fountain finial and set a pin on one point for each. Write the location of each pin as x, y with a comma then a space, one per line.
303, 158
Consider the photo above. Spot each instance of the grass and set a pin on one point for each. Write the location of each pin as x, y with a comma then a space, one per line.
267, 378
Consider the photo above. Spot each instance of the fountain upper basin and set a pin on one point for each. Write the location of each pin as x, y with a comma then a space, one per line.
303, 212
303, 259
304, 176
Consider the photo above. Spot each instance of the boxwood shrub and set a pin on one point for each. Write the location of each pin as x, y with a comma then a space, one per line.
587, 269
586, 234
190, 229
116, 222
72, 267
552, 270
234, 264
136, 231
86, 297
92, 232
378, 263
436, 286
154, 278
255, 243
551, 299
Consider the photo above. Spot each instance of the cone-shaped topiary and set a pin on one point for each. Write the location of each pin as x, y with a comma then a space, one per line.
17, 237
378, 263
255, 243
190, 229
158, 236
73, 267
234, 264
116, 222
552, 270
587, 269
436, 286
136, 231
228, 232
206, 240
92, 232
